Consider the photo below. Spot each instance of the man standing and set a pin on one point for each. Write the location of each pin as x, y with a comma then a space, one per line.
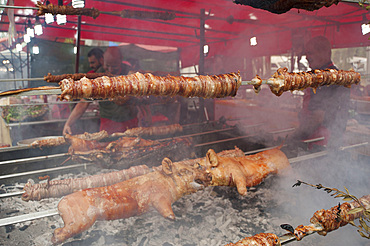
325, 112
115, 116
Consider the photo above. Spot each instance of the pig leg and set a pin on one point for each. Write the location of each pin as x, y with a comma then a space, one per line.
77, 214
241, 184
163, 205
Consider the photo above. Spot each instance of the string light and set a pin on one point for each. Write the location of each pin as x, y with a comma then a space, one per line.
49, 17
18, 47
38, 26
78, 3
253, 41
30, 32
26, 38
35, 50
61, 19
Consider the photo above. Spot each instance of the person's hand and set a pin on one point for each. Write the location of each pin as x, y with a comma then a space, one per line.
67, 130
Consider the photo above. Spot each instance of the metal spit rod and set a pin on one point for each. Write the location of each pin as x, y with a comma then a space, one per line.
32, 159
44, 170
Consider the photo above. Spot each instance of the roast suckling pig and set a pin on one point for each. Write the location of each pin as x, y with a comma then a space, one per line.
138, 84
245, 171
261, 239
127, 151
59, 188
135, 196
150, 131
282, 80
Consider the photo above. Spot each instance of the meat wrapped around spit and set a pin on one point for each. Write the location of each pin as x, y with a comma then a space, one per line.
245, 171
132, 197
324, 221
65, 10
282, 80
138, 84
261, 239
75, 76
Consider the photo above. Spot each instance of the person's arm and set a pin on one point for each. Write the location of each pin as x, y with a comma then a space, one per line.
77, 112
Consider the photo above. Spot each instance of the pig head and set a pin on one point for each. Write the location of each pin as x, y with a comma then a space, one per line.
245, 171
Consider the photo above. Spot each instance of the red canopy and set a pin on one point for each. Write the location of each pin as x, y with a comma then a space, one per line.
229, 26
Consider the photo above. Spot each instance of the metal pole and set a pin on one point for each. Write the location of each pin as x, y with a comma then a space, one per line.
202, 19
78, 43
201, 41
28, 63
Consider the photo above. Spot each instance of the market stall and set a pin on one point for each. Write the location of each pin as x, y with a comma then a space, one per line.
239, 104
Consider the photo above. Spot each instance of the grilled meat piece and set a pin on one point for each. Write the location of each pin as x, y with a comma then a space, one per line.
138, 84
132, 197
324, 221
261, 239
338, 216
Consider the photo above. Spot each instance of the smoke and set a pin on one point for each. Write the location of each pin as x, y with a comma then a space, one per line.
298, 204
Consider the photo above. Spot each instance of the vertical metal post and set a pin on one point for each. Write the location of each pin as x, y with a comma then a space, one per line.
202, 41
202, 112
78, 44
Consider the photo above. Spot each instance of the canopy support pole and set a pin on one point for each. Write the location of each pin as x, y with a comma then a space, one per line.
78, 43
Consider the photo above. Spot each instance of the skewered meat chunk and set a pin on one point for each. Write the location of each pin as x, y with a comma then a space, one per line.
246, 171
329, 220
75, 76
132, 197
65, 10
282, 80
59, 188
261, 239
324, 221
138, 84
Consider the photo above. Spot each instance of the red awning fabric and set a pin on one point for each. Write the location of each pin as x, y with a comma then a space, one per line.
229, 26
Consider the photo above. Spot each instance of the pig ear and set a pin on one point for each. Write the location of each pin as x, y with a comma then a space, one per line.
167, 166
212, 158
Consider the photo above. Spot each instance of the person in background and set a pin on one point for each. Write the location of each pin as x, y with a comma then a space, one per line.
96, 60
324, 113
115, 116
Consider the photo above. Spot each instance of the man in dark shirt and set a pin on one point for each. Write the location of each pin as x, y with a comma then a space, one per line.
324, 112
